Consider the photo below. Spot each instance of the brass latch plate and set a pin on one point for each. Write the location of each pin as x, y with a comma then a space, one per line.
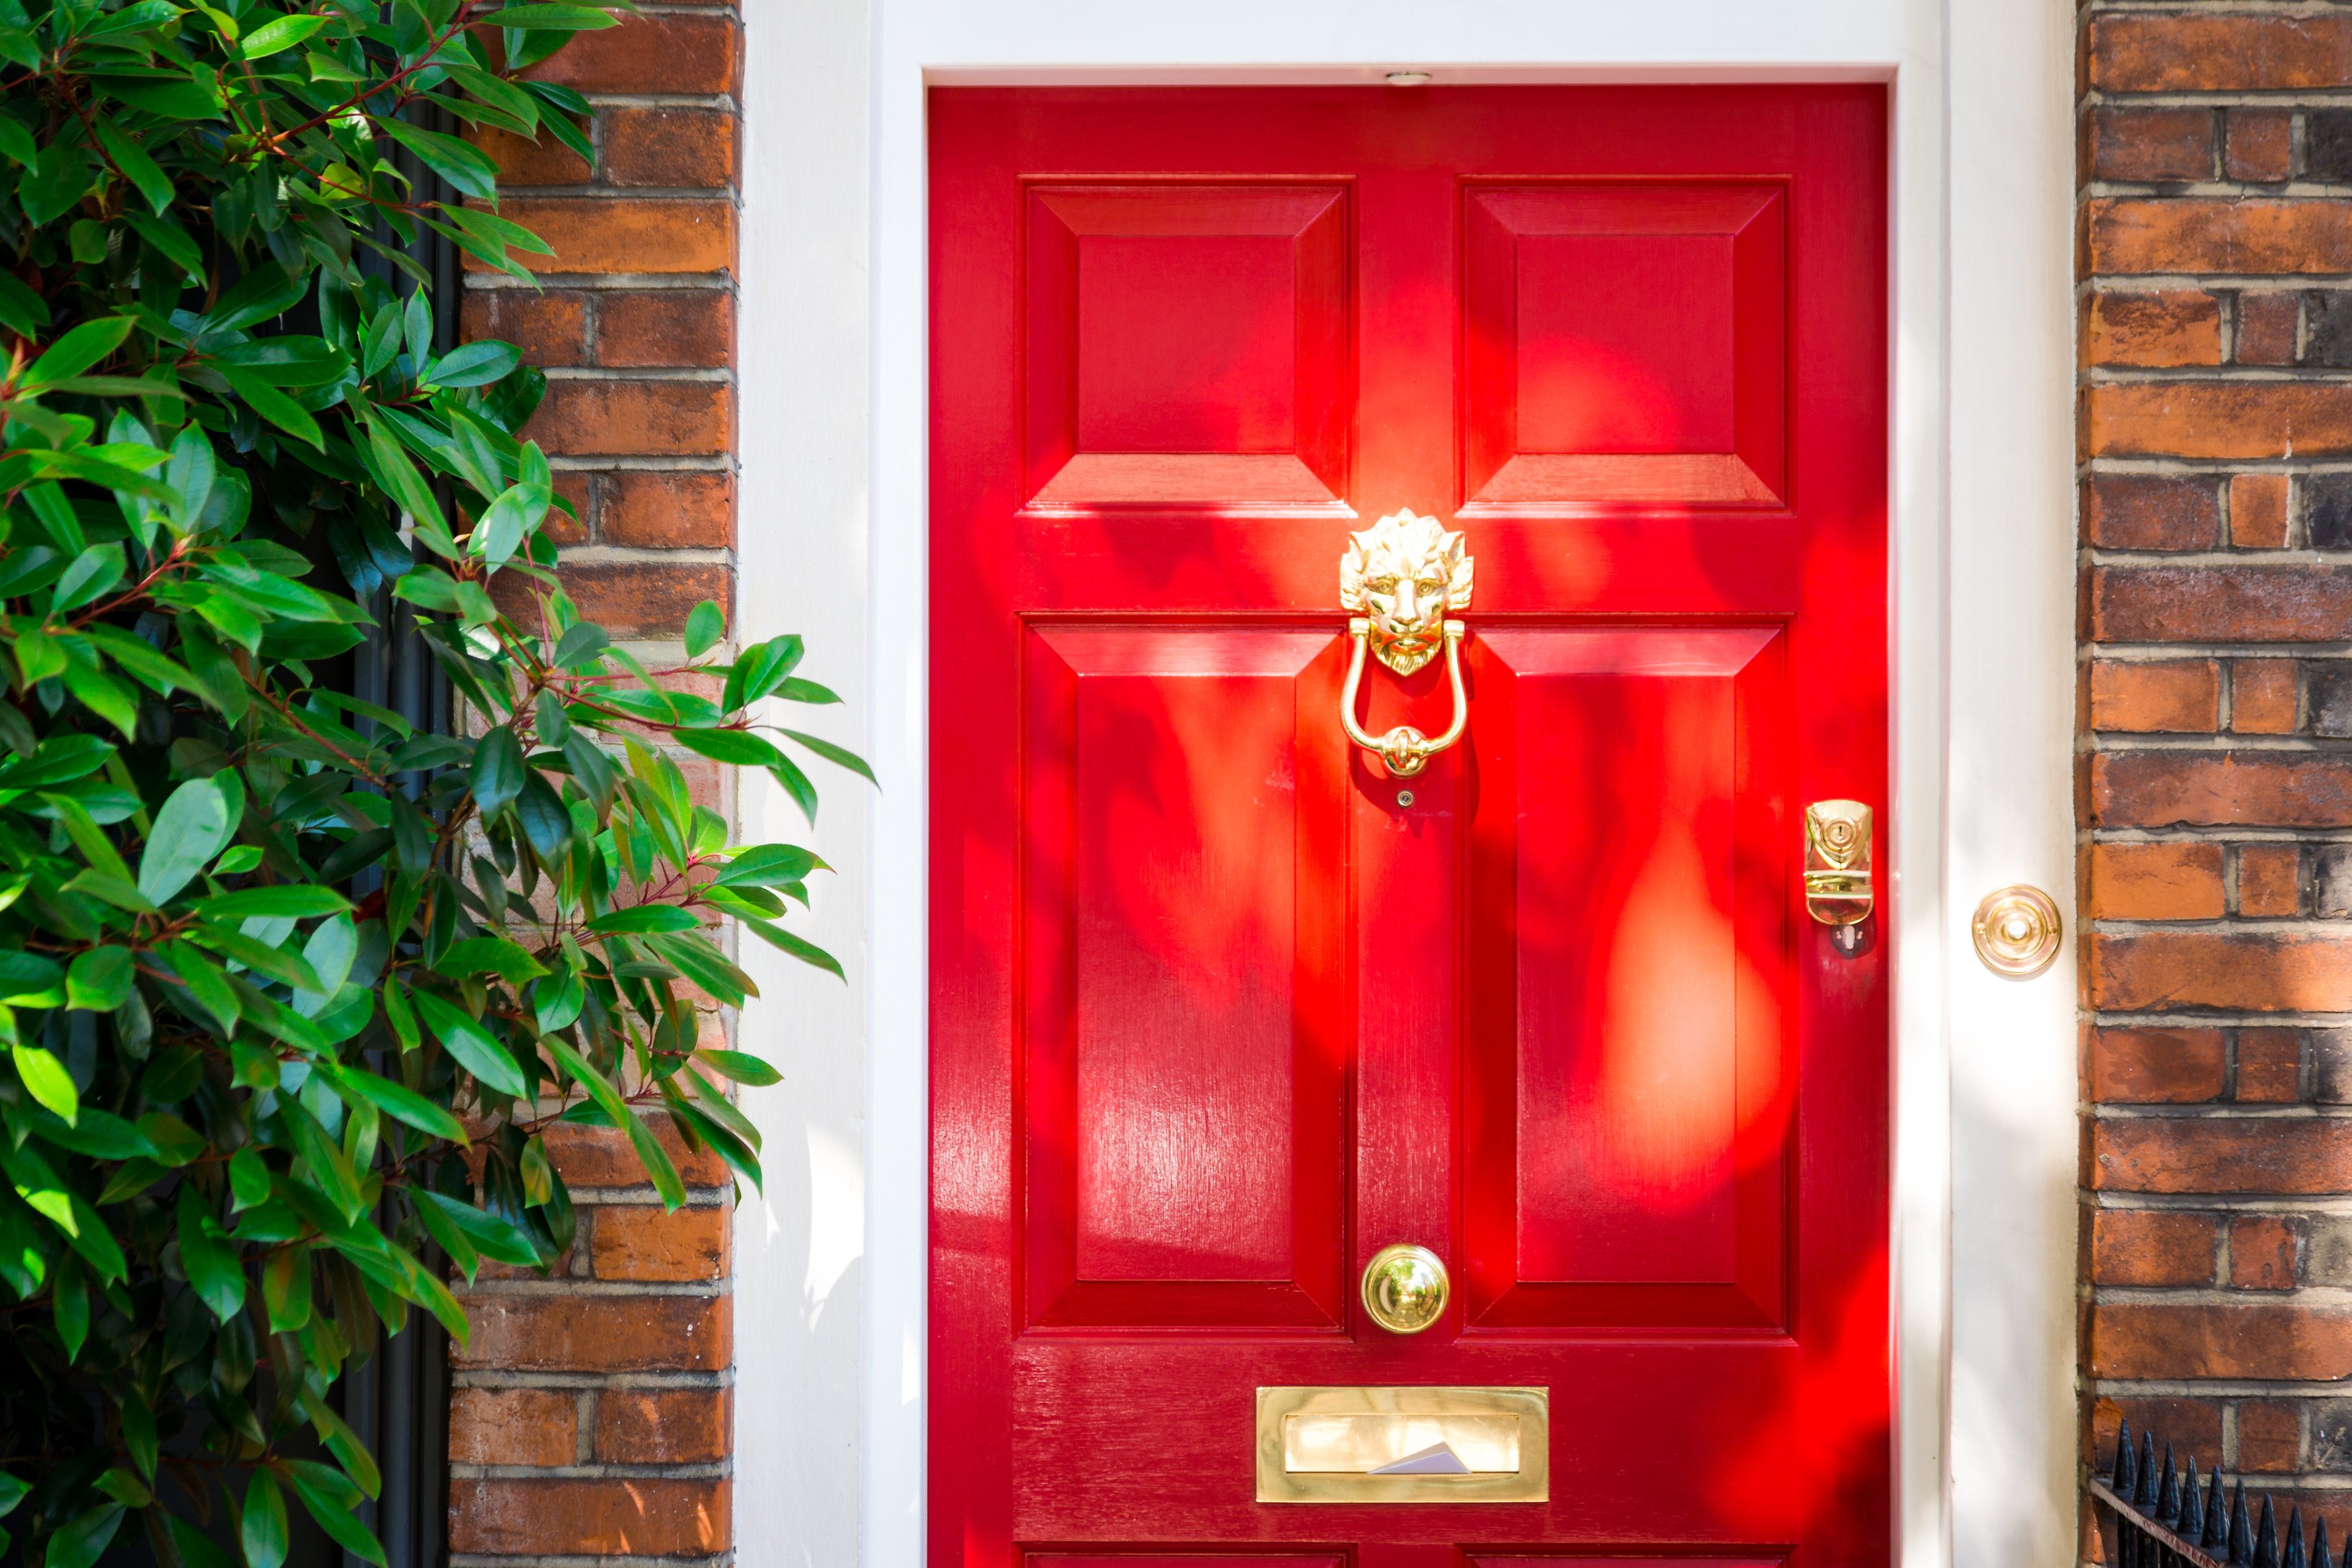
1409, 1443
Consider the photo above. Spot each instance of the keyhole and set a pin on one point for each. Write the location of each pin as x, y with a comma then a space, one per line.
1405, 797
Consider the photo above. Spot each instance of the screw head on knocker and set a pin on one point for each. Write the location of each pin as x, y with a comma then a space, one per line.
1400, 576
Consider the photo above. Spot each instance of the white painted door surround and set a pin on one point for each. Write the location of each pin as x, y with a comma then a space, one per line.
829, 1288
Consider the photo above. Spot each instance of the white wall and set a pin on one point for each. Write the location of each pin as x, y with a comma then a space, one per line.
834, 541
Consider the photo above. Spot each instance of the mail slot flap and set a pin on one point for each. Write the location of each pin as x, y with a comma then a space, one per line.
1404, 1444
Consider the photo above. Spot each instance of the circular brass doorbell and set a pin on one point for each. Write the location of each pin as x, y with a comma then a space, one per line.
1405, 1287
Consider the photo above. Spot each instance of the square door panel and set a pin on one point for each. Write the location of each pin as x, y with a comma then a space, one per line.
1624, 344
1186, 1017
1626, 1099
1188, 346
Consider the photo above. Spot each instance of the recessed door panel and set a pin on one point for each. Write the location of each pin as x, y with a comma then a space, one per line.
1184, 894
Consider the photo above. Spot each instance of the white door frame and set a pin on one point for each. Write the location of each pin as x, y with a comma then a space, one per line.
834, 318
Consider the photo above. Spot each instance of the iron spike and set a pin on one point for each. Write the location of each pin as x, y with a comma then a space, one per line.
2192, 1507
2293, 1556
2266, 1537
2168, 1492
2144, 1487
2217, 1518
2319, 1543
2121, 1481
2241, 1544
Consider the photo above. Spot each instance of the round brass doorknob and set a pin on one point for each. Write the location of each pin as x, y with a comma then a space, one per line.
2017, 931
1404, 1288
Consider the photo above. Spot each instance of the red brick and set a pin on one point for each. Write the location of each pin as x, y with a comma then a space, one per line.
2151, 143
2293, 1155
2233, 603
2156, 1066
578, 488
636, 418
2270, 1435
675, 149
2171, 51
671, 511
2142, 697
549, 329
2171, 327
602, 1157
2271, 1340
557, 1331
2262, 696
2268, 326
2159, 789
545, 161
2145, 1246
2217, 419
2270, 1066
644, 235
2191, 1426
2154, 881
670, 53
641, 1241
2249, 971
2257, 511
638, 1516
2262, 1251
631, 600
2171, 234
688, 327
2137, 512
514, 1425
2270, 881
662, 1426
2261, 145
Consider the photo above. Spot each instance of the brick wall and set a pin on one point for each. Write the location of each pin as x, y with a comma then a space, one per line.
590, 1415
2215, 782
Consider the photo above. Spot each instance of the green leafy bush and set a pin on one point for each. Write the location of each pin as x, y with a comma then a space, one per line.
274, 963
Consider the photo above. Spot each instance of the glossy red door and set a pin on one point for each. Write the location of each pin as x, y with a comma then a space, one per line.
1219, 1008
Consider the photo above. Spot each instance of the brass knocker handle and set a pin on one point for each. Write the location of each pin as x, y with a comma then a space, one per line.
1405, 749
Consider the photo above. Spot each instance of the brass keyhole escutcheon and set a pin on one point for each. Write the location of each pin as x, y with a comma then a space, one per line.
1405, 1287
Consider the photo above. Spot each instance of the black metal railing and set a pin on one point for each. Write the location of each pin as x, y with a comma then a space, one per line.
2154, 1515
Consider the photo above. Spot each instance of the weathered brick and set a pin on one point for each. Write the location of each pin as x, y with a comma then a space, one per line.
2327, 144
2261, 145
514, 1425
2327, 1250
2140, 511
677, 149
2154, 881
2156, 1066
640, 234
2151, 144
2217, 419
2171, 327
2266, 1340
2262, 696
2153, 1246
2269, 328
2258, 511
2270, 881
638, 1516
2331, 1062
671, 52
545, 161
639, 1241
645, 600
2192, 1425
2270, 1066
2262, 1253
2249, 971
2331, 1434
2331, 881
2178, 52
2292, 1156
2146, 697
2330, 316
603, 1157
2330, 686
551, 329
558, 1331
2125, 235
673, 327
2161, 789
636, 418
2270, 1435
2232, 603
671, 511
662, 1426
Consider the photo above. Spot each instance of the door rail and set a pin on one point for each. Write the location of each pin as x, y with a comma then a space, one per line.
2151, 1515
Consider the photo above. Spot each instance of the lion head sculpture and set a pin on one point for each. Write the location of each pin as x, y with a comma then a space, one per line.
1403, 574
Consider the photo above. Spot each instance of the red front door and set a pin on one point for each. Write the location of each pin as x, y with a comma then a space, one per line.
1221, 1007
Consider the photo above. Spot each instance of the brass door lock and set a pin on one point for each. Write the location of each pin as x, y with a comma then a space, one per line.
1838, 892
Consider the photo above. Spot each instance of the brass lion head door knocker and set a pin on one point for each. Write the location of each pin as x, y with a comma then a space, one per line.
1398, 579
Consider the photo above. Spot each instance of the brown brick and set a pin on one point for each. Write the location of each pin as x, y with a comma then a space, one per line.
2284, 1154
2257, 511
2138, 512
2261, 145
2270, 1066
602, 1157
2151, 144
2234, 603
646, 235
2218, 419
555, 1331
2144, 1246
2138, 233
2263, 1252
671, 511
2159, 789
545, 161
675, 149
2247, 971
2268, 328
2269, 884
669, 53
2271, 1339
2172, 51
549, 329
636, 418
2142, 697
2172, 327
640, 1241
633, 600
578, 488
2154, 881
2191, 1426
2270, 1435
675, 327
2262, 696
2156, 1066
638, 1515
662, 1426
514, 1425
